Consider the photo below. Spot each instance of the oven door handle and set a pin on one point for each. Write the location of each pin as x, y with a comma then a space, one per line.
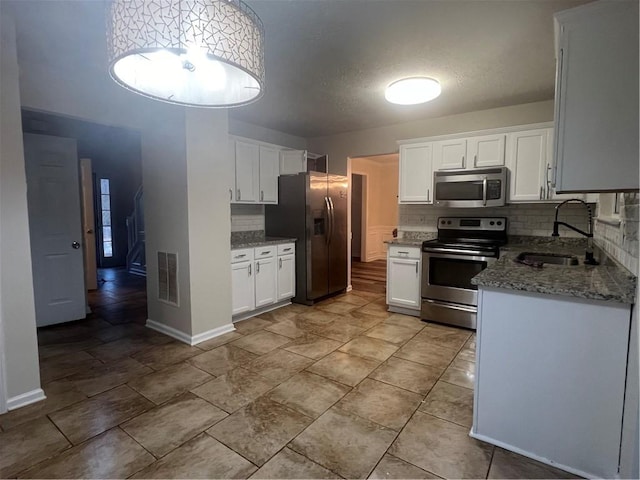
484, 191
475, 253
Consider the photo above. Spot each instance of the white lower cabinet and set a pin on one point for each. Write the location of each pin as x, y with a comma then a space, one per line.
403, 278
550, 378
242, 281
261, 277
266, 281
286, 277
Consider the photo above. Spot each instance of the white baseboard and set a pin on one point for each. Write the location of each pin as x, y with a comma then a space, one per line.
209, 334
170, 331
258, 311
25, 399
524, 453
186, 338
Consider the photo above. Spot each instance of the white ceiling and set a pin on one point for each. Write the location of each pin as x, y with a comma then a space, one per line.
329, 61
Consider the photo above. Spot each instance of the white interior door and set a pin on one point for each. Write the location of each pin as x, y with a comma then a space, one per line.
88, 225
53, 196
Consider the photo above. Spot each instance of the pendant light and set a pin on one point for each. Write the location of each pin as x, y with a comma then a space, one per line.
203, 53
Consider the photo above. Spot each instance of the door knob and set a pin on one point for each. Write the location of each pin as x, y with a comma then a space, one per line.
75, 245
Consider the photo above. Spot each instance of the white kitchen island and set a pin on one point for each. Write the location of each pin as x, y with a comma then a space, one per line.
551, 367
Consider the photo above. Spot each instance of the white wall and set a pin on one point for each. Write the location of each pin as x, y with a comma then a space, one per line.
20, 348
376, 141
256, 132
168, 174
209, 226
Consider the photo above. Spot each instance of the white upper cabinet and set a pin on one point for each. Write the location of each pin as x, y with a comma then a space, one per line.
416, 173
255, 168
269, 171
247, 172
527, 162
292, 162
596, 101
486, 151
450, 154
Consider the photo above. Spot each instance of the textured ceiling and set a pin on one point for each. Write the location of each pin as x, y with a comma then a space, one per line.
329, 61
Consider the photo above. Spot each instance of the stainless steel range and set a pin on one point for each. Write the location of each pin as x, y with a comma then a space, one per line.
464, 247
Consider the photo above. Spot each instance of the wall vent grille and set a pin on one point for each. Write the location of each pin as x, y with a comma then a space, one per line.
168, 278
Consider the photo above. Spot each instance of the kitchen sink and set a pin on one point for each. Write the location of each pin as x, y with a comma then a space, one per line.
551, 258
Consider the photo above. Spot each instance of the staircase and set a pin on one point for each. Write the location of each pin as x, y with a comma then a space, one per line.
136, 257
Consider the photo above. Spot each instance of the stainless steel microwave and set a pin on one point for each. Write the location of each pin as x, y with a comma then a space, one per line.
480, 187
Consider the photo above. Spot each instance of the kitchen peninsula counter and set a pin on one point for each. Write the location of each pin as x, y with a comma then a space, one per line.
607, 282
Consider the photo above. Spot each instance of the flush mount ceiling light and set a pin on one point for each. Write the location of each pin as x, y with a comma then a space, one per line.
412, 91
203, 53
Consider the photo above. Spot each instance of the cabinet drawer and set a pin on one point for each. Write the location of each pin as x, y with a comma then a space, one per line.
286, 249
264, 252
400, 251
241, 255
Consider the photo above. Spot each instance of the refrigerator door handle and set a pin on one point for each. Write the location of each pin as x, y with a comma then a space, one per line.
333, 218
329, 226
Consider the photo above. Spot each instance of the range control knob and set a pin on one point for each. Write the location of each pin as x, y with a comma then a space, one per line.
499, 223
492, 222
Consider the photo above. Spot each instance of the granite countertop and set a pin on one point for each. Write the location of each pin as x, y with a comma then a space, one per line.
256, 238
407, 242
261, 242
412, 239
607, 282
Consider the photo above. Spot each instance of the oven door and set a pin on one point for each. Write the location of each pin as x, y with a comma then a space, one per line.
447, 277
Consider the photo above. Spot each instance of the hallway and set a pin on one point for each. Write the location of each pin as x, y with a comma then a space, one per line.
369, 276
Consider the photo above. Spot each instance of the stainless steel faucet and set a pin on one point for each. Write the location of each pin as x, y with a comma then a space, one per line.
589, 258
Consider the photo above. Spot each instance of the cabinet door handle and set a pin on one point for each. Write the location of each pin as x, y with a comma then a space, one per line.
280, 262
261, 196
286, 249
240, 256
403, 253
541, 193
257, 267
475, 160
463, 162
230, 194
249, 269
428, 195
416, 269
239, 195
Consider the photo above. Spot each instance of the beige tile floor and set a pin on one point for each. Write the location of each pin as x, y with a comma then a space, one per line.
342, 389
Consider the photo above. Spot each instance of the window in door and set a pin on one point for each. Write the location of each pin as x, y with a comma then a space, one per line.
105, 205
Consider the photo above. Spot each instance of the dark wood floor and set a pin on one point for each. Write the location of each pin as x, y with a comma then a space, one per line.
121, 297
369, 276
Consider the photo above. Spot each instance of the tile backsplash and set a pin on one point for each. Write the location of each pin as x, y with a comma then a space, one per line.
619, 238
246, 218
522, 219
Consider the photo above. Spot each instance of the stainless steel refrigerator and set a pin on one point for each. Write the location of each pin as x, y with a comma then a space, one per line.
312, 207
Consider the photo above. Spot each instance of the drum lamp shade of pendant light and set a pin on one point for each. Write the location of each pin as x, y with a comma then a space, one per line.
201, 53
413, 90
